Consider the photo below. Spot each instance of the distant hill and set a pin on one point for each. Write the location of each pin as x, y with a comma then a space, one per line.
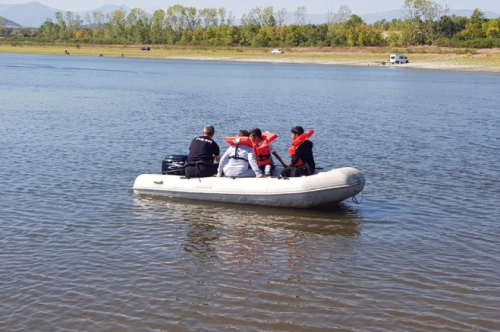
31, 14
5, 6
34, 14
8, 23
468, 13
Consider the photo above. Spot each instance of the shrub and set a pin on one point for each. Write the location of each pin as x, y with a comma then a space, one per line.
465, 51
443, 42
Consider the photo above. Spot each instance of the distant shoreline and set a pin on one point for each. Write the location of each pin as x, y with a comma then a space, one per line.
425, 58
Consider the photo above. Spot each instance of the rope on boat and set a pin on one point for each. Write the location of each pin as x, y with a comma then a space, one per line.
355, 199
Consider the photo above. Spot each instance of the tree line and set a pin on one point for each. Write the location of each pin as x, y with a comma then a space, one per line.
423, 22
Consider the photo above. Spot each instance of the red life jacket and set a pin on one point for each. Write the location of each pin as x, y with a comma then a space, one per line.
298, 141
239, 140
262, 153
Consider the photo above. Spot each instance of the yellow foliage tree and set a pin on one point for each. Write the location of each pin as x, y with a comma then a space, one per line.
493, 29
79, 34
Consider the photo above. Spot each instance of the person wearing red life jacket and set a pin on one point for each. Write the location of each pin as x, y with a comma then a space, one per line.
239, 159
302, 159
263, 150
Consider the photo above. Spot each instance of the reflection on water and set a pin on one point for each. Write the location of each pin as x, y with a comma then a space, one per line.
333, 220
234, 236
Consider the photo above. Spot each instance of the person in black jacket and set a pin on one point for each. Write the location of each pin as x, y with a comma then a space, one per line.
302, 162
202, 152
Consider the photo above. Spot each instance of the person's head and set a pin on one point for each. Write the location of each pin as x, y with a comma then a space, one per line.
255, 135
297, 131
209, 131
243, 133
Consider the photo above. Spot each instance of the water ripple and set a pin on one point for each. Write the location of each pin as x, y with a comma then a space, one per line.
79, 251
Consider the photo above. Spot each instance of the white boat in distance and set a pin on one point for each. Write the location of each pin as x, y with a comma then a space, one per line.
323, 188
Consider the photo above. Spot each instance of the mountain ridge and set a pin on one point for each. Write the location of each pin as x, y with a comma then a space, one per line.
6, 23
33, 14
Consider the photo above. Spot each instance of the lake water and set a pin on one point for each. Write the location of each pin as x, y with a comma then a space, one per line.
80, 252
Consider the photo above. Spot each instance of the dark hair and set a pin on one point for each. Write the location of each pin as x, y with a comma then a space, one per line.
209, 130
243, 133
298, 130
256, 132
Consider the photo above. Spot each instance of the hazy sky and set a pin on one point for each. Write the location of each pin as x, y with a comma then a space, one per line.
359, 7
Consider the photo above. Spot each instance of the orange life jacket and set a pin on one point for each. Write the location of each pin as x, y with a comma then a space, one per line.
298, 141
262, 153
239, 140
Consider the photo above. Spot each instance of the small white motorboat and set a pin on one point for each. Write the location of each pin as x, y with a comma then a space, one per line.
323, 188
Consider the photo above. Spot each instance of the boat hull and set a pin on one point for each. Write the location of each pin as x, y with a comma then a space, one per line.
304, 192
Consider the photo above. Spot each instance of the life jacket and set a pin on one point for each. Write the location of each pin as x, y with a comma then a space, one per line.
236, 142
262, 153
298, 141
239, 140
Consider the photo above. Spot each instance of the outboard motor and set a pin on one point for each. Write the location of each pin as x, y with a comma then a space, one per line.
174, 164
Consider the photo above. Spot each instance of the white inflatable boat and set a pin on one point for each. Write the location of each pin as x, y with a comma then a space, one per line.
323, 188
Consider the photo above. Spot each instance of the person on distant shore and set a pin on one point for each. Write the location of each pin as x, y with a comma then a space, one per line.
239, 160
263, 150
202, 153
302, 159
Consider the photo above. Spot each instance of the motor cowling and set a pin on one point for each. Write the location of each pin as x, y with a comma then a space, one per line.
174, 164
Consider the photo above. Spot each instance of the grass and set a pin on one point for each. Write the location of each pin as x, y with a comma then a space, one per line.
347, 55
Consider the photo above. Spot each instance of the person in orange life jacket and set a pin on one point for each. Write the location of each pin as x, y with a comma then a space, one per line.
263, 150
202, 152
239, 159
302, 162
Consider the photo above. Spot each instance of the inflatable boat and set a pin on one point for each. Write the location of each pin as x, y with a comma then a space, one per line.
323, 188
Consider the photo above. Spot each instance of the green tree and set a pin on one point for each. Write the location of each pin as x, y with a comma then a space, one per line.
337, 27
317, 35
137, 26
115, 28
259, 16
447, 26
208, 17
191, 18
158, 27
421, 14
493, 29
49, 29
175, 21
95, 21
474, 27
61, 25
73, 24
292, 35
222, 15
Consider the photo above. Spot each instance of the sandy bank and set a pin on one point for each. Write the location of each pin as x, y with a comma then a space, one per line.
428, 58
411, 65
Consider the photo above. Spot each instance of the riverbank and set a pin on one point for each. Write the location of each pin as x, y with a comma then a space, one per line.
431, 58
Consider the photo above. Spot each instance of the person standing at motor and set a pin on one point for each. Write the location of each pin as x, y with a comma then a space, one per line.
202, 153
